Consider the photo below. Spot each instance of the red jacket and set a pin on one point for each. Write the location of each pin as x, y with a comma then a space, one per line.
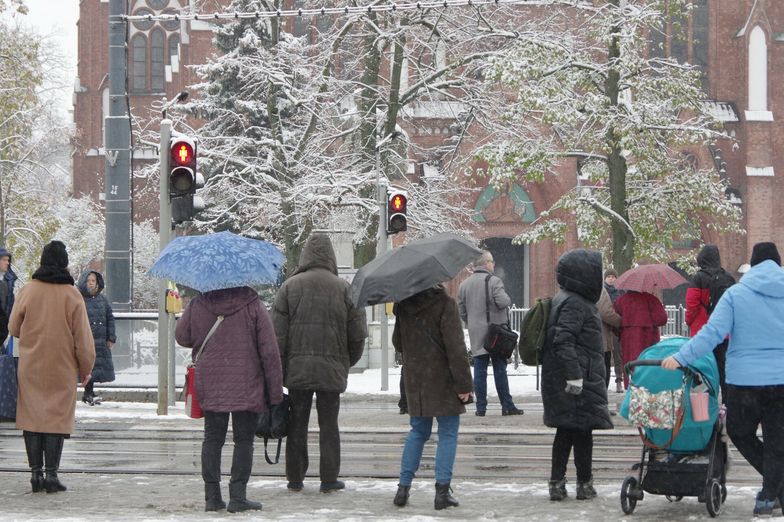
697, 300
641, 316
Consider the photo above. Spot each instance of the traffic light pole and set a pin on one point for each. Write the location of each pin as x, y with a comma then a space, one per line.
164, 227
381, 312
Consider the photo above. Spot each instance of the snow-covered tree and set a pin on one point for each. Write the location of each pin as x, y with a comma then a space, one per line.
585, 85
145, 252
291, 123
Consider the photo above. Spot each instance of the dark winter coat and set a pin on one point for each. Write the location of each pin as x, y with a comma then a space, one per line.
429, 334
8, 280
698, 293
99, 312
239, 368
641, 316
321, 334
574, 347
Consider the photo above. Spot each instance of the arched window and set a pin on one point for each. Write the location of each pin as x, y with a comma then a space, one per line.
157, 62
174, 42
139, 63
758, 71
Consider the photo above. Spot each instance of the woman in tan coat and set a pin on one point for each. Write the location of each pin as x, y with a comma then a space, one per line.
55, 345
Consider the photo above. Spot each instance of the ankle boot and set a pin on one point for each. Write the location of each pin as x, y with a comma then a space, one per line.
53, 450
401, 497
212, 496
443, 498
238, 502
557, 489
34, 444
585, 490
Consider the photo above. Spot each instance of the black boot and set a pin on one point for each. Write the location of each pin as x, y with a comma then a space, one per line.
237, 499
557, 489
53, 450
401, 497
34, 444
212, 495
443, 498
241, 463
585, 490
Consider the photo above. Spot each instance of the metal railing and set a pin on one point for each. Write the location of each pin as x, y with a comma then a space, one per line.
676, 320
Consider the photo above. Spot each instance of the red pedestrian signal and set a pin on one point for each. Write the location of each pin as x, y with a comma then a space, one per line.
183, 179
397, 208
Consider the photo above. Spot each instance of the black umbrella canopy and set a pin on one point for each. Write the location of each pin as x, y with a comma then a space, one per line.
411, 268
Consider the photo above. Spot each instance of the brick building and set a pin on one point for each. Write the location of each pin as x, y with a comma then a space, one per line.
733, 40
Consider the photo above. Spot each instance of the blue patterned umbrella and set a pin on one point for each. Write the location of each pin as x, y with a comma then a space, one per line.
217, 261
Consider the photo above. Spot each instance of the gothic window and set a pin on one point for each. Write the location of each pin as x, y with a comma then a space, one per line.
139, 63
170, 25
684, 37
301, 23
143, 25
758, 70
158, 4
157, 67
174, 42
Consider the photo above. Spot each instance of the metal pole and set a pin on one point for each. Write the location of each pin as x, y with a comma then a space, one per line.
381, 248
164, 227
172, 366
118, 176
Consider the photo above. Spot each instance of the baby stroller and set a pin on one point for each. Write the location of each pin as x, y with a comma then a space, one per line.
681, 457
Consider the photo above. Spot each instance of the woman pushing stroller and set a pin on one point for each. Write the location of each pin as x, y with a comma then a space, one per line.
751, 313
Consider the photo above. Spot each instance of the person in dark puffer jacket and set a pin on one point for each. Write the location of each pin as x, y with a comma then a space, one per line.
574, 394
101, 317
321, 334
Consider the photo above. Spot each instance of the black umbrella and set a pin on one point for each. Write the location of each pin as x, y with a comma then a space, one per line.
409, 269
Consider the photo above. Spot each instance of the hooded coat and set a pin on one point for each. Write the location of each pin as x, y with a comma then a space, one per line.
239, 368
321, 334
698, 293
750, 314
101, 317
574, 348
430, 336
55, 347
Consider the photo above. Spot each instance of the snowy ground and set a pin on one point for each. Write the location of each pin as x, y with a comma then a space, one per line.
151, 498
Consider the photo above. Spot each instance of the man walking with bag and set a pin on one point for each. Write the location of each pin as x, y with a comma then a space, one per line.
480, 295
321, 334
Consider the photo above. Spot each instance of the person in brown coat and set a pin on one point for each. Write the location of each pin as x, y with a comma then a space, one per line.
321, 334
55, 345
611, 321
237, 373
429, 334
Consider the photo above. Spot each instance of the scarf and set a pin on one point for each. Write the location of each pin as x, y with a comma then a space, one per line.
53, 274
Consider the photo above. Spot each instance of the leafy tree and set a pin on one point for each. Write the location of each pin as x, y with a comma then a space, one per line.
584, 85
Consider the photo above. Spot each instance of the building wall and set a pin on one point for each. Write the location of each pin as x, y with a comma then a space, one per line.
758, 143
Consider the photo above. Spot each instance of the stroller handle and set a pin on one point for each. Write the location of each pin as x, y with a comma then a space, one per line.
657, 362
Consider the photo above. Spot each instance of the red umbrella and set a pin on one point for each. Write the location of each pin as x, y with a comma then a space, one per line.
647, 278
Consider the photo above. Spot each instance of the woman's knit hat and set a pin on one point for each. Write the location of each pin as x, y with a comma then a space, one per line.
54, 254
764, 251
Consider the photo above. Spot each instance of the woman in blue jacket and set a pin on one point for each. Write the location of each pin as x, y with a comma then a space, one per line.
751, 313
101, 316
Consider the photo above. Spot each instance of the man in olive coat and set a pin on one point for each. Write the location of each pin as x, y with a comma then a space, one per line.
321, 334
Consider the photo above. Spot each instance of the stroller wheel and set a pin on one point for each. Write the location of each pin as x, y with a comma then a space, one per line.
713, 497
629, 495
723, 493
676, 498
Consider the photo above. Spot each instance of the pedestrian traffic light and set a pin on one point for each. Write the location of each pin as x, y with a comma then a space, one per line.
184, 180
397, 207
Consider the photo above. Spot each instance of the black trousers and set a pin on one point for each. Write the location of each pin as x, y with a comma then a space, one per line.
747, 408
327, 408
582, 442
216, 425
720, 352
607, 365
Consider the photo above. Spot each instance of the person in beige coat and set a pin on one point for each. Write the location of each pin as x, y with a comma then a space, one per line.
55, 345
611, 321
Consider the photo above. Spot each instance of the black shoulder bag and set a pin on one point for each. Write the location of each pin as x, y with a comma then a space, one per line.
501, 340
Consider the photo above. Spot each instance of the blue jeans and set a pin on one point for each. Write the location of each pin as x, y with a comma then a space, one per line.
501, 382
421, 428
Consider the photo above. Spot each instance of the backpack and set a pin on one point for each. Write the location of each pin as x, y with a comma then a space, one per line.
533, 332
718, 283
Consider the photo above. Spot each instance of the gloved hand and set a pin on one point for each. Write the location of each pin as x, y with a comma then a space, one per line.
574, 387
